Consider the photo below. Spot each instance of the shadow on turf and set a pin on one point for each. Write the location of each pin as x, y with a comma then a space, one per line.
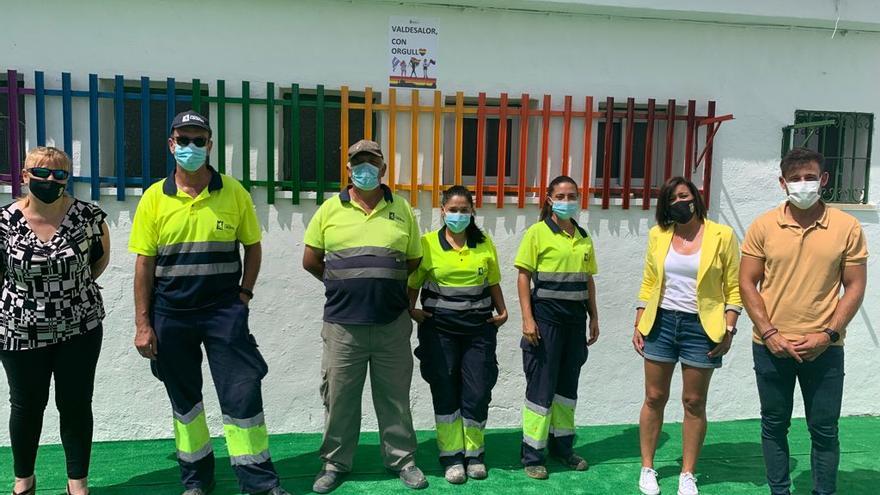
297, 472
740, 462
858, 482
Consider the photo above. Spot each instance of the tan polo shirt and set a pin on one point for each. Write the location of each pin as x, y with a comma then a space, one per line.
803, 267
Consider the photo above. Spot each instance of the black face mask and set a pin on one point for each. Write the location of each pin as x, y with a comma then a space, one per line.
681, 212
47, 191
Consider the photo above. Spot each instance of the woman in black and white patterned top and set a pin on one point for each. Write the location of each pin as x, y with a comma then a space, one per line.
52, 248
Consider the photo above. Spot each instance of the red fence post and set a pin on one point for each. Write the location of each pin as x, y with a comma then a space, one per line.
627, 161
588, 151
670, 139
606, 166
545, 147
481, 147
649, 156
707, 171
502, 149
690, 139
523, 149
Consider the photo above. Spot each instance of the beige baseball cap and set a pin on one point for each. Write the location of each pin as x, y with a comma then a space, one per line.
365, 146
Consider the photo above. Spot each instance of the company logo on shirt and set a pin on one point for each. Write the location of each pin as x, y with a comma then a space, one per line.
392, 216
221, 225
480, 270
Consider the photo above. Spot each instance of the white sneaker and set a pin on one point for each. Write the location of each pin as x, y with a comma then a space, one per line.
687, 484
648, 482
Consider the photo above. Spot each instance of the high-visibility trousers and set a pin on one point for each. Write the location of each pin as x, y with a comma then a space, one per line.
461, 370
237, 368
552, 369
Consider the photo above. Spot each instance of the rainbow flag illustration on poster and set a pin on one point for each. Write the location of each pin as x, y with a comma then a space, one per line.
412, 53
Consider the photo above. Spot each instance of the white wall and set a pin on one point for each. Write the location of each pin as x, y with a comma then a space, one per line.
761, 75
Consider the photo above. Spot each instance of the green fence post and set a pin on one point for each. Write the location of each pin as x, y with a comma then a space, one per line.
295, 155
319, 144
270, 142
221, 126
246, 134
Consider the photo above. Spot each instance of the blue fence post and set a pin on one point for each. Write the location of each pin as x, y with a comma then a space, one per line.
119, 137
40, 102
170, 112
94, 149
146, 169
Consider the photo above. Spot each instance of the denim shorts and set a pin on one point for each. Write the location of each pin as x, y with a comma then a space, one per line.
678, 336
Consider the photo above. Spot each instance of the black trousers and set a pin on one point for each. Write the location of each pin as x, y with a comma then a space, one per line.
29, 372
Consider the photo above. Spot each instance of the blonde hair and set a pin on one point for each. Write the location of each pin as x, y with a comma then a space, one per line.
42, 156
45, 155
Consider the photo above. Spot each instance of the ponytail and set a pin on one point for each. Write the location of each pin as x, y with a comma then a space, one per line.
473, 233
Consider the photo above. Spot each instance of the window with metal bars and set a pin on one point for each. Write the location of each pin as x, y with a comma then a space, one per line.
308, 136
5, 125
639, 141
158, 125
844, 138
490, 149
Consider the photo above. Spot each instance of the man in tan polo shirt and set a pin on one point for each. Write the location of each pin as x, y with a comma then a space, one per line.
796, 258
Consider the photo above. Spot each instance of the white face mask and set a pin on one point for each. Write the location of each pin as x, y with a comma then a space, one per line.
803, 194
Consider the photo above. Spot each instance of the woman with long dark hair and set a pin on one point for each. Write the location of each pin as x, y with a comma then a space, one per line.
688, 306
53, 248
556, 265
459, 282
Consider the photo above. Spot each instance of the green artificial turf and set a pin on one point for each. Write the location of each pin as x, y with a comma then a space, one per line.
730, 464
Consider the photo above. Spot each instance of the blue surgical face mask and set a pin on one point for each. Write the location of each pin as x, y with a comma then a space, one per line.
191, 157
457, 222
365, 176
566, 209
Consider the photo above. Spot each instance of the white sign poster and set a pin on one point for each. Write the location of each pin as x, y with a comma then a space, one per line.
412, 52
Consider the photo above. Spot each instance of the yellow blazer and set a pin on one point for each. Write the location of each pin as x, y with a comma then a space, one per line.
717, 278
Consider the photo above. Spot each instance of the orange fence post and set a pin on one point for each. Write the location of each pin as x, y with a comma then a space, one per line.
438, 121
368, 113
481, 147
343, 136
459, 127
414, 160
392, 137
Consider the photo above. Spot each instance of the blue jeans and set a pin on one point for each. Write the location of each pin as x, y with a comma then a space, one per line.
679, 336
821, 383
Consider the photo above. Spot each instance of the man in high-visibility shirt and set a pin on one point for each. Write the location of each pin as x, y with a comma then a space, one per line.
190, 290
362, 244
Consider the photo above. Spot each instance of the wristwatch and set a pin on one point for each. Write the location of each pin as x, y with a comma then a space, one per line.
732, 330
246, 292
832, 334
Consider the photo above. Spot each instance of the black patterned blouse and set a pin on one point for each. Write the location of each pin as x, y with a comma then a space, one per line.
48, 293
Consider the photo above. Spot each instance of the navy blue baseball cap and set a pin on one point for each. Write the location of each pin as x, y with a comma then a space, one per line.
190, 118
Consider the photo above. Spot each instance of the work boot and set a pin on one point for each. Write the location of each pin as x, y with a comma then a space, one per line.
477, 471
536, 472
201, 490
326, 481
413, 477
455, 474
